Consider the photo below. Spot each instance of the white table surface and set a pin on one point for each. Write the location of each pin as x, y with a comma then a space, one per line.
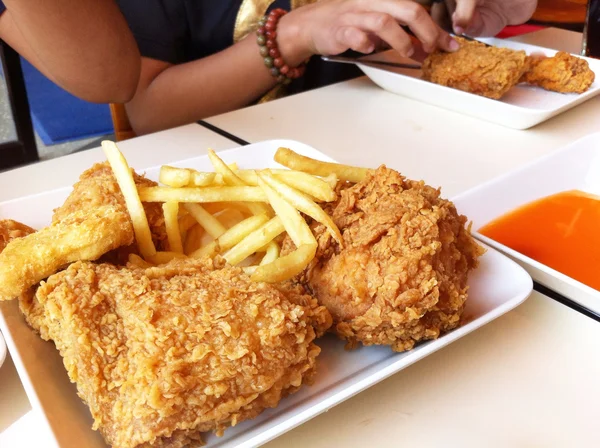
529, 378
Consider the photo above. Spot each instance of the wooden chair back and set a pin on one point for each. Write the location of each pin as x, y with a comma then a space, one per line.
121, 124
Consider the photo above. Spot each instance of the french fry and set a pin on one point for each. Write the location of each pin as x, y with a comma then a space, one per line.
254, 241
186, 222
201, 179
133, 202
174, 177
193, 239
138, 261
233, 180
271, 254
303, 203
164, 257
294, 223
219, 179
217, 207
184, 177
316, 187
295, 161
202, 195
231, 237
221, 167
248, 176
230, 217
308, 184
211, 224
331, 180
170, 210
285, 267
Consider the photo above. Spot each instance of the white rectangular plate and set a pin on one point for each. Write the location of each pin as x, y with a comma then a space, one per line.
521, 108
575, 167
496, 287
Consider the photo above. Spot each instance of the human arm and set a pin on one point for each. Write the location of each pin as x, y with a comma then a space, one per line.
169, 95
84, 46
488, 17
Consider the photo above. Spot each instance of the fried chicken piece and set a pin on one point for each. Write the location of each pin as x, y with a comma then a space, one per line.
563, 73
93, 221
476, 68
10, 230
163, 354
82, 235
98, 186
402, 276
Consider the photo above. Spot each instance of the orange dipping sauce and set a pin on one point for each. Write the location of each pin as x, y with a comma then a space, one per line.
561, 231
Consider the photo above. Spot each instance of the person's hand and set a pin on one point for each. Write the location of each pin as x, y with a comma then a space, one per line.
330, 27
488, 17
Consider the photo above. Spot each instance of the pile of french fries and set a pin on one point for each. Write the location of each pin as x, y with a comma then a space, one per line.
235, 213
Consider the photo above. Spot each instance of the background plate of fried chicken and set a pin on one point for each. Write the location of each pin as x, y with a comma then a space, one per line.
507, 83
495, 286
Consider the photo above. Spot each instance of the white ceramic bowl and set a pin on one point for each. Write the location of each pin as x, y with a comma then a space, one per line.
576, 167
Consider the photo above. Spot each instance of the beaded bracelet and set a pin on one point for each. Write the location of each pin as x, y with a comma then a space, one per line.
267, 34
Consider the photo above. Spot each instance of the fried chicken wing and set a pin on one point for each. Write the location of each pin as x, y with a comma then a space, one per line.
402, 274
477, 68
93, 221
163, 354
562, 73
82, 235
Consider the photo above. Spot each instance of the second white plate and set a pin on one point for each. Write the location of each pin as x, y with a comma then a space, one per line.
521, 108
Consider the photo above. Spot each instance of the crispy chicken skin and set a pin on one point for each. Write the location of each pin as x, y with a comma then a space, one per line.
92, 222
98, 186
163, 354
562, 73
477, 68
492, 71
10, 230
82, 235
402, 276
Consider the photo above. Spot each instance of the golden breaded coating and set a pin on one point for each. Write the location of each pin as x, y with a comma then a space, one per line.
562, 73
476, 68
163, 354
10, 230
402, 276
93, 221
98, 186
81, 235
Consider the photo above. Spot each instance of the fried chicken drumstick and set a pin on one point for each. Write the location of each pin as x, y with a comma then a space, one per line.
92, 222
401, 277
163, 354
